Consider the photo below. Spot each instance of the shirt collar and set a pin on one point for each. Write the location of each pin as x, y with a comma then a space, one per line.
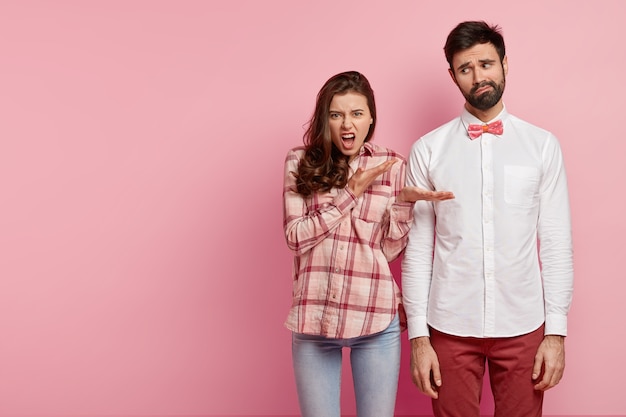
367, 148
468, 118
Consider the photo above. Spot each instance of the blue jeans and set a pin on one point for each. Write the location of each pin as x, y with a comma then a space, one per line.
375, 361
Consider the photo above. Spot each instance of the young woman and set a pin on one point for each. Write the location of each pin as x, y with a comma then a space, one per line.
346, 216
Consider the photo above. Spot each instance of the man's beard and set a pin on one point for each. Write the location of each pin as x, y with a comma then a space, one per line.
486, 100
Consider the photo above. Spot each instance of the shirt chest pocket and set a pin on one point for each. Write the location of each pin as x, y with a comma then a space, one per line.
521, 185
372, 205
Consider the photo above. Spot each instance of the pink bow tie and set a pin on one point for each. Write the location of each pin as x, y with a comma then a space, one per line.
475, 131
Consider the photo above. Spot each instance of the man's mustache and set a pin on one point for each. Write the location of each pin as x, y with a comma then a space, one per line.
483, 84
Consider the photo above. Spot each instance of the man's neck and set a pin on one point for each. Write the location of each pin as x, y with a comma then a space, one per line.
485, 115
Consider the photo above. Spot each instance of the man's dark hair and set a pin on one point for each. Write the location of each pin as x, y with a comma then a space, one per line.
467, 34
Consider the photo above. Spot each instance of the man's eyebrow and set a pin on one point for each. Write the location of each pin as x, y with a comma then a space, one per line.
481, 61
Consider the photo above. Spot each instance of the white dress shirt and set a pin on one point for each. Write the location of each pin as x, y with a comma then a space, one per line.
481, 275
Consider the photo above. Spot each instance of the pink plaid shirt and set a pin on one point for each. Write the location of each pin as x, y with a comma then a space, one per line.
342, 284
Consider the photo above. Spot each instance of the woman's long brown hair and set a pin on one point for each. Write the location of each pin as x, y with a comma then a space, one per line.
323, 166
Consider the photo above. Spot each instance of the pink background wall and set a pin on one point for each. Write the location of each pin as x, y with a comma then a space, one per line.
143, 268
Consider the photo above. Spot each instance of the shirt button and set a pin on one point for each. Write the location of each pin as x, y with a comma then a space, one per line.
337, 269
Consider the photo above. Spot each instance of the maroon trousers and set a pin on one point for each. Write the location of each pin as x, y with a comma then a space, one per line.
462, 361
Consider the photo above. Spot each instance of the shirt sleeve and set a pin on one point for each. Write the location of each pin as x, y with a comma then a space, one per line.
417, 263
399, 219
304, 229
555, 240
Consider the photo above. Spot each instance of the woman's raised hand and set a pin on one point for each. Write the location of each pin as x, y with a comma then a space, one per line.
362, 179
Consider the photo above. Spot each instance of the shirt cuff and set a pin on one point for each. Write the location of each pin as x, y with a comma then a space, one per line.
402, 212
418, 327
556, 324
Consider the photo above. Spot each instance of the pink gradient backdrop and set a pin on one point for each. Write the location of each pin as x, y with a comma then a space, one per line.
143, 269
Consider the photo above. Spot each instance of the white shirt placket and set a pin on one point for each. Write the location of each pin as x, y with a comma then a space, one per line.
488, 232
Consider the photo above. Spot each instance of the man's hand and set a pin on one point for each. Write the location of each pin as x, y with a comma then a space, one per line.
413, 194
425, 367
550, 359
402, 317
362, 179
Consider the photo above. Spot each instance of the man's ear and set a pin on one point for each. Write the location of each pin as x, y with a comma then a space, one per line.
452, 76
505, 65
